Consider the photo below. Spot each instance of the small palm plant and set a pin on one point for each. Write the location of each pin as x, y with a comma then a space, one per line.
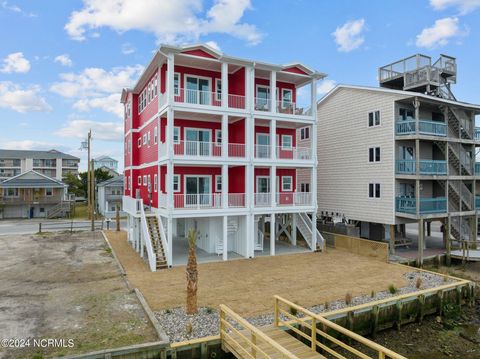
192, 273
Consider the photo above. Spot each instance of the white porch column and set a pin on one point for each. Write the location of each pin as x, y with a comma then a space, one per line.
273, 91
249, 90
170, 169
169, 82
273, 185
273, 234
273, 139
224, 135
224, 85
313, 97
224, 186
225, 238
294, 229
314, 231
169, 241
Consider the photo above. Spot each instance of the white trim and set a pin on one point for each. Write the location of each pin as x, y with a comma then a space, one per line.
379, 118
291, 143
144, 142
197, 176
217, 131
139, 180
155, 182
290, 189
179, 137
256, 183
198, 129
374, 154
216, 88
291, 96
155, 135
179, 83
144, 180
185, 75
48, 195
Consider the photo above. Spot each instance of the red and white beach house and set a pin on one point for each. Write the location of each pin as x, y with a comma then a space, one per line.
210, 145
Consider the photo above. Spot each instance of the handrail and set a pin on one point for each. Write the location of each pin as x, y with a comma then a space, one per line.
152, 260
308, 240
163, 237
255, 334
316, 319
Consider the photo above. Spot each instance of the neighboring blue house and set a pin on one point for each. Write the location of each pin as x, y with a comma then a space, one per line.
107, 162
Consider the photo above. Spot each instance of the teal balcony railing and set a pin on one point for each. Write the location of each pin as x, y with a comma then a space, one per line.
427, 205
477, 202
477, 133
431, 128
477, 168
427, 167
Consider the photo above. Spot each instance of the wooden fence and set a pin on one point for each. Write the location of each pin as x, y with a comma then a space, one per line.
364, 247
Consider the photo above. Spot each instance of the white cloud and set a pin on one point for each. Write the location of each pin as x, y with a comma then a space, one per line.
17, 9
109, 103
22, 100
64, 60
94, 81
214, 45
105, 131
127, 49
170, 21
15, 62
440, 33
33, 145
349, 36
463, 6
325, 86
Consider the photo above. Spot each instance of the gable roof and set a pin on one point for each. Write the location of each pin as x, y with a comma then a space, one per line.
104, 157
397, 92
32, 179
115, 181
51, 154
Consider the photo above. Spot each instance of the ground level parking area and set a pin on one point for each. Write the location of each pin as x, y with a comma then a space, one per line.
66, 286
248, 285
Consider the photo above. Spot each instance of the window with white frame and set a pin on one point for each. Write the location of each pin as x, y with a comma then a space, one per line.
374, 154
218, 183
149, 93
176, 183
10, 192
130, 182
374, 190
48, 192
148, 138
176, 135
155, 184
287, 183
145, 139
287, 98
145, 180
156, 85
305, 187
176, 84
139, 180
305, 133
155, 135
374, 118
218, 136
286, 142
149, 182
218, 89
139, 142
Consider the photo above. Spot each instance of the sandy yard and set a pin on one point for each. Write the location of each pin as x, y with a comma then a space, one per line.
66, 286
248, 285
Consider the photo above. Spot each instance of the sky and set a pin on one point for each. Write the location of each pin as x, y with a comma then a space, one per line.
63, 64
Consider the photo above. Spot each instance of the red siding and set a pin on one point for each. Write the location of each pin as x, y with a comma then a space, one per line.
280, 85
281, 172
151, 109
199, 53
236, 82
295, 70
236, 132
280, 131
152, 170
236, 179
198, 72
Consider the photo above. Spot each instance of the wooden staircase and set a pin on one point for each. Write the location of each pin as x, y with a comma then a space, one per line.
154, 231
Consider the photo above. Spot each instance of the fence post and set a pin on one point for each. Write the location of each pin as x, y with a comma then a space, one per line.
314, 334
40, 227
275, 315
71, 226
117, 217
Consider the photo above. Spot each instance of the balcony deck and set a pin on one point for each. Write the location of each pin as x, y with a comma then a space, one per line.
426, 206
425, 127
427, 167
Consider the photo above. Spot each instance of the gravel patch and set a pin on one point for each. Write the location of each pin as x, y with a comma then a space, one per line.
180, 327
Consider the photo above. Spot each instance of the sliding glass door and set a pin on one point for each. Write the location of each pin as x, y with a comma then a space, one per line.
197, 142
198, 90
197, 191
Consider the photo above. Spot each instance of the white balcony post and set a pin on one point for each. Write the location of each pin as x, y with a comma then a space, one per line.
273, 139
273, 234
170, 73
273, 91
314, 99
249, 90
225, 141
224, 85
294, 229
224, 186
273, 185
225, 238
169, 241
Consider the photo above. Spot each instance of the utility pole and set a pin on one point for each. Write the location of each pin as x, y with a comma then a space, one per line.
86, 145
92, 191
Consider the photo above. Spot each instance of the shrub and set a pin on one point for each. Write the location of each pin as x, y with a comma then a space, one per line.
168, 311
392, 289
348, 298
293, 311
418, 283
326, 305
209, 310
189, 327
373, 294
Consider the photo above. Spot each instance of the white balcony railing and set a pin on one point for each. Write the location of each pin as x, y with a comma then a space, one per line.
294, 199
131, 205
263, 151
291, 108
236, 150
197, 149
294, 153
263, 200
262, 104
197, 97
197, 201
236, 101
236, 200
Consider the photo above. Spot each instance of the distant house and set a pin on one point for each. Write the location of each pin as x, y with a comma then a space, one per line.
110, 196
33, 195
105, 161
51, 163
109, 171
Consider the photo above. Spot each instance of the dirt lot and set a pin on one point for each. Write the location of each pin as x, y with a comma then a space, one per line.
66, 286
248, 285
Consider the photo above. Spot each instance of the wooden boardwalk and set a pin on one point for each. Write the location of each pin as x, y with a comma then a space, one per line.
237, 345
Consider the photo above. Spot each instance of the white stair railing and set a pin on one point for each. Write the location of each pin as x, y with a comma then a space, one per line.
152, 259
305, 229
259, 240
163, 237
